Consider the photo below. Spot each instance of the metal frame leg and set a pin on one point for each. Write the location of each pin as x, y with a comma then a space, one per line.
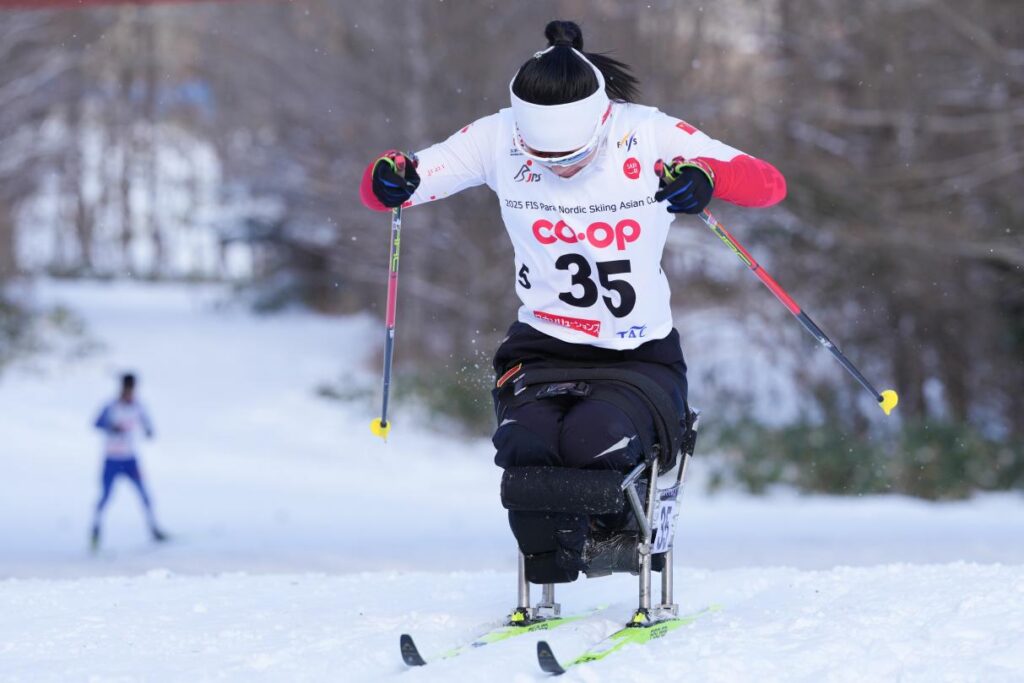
666, 585
668, 608
523, 602
644, 548
547, 608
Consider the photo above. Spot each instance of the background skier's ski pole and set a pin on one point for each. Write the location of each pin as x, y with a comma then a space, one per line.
381, 426
886, 400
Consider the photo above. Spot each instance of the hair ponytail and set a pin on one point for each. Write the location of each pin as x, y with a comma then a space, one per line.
619, 83
564, 34
558, 76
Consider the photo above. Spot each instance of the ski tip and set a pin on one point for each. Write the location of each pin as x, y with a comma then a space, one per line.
546, 659
380, 429
410, 654
888, 401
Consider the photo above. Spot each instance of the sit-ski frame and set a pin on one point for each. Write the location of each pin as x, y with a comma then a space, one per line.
646, 614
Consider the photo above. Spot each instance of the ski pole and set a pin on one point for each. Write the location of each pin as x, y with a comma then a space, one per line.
887, 400
380, 426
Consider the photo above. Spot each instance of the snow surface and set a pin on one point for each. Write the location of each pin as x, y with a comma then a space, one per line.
305, 546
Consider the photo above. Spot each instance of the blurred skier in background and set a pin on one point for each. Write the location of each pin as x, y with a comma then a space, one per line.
121, 421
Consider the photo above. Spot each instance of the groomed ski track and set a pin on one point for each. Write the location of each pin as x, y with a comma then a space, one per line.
955, 622
280, 572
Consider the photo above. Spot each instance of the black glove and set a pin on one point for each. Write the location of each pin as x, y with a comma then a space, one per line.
686, 185
394, 179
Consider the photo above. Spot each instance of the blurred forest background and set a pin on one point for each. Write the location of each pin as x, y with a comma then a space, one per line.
225, 141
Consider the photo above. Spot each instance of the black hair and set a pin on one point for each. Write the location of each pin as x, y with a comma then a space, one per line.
559, 76
127, 381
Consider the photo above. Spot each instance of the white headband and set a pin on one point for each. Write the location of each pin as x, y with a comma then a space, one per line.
560, 127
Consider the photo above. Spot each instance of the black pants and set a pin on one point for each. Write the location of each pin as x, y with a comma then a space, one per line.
568, 431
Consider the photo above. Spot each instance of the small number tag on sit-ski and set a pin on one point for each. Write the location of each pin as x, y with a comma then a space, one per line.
665, 519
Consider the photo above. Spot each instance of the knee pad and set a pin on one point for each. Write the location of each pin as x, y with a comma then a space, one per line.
562, 490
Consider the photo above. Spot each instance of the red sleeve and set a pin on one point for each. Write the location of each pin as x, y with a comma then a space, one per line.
739, 178
746, 181
370, 200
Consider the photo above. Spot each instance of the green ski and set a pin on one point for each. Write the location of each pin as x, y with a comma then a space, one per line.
633, 634
411, 655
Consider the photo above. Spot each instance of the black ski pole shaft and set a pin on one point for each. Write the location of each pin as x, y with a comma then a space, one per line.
886, 400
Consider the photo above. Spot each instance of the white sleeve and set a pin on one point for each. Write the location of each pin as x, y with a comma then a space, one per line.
676, 138
147, 424
466, 159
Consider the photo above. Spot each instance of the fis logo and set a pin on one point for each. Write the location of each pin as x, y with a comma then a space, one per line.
526, 174
634, 332
628, 141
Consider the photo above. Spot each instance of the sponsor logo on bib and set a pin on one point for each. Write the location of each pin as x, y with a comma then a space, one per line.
526, 174
591, 327
598, 234
634, 332
631, 168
